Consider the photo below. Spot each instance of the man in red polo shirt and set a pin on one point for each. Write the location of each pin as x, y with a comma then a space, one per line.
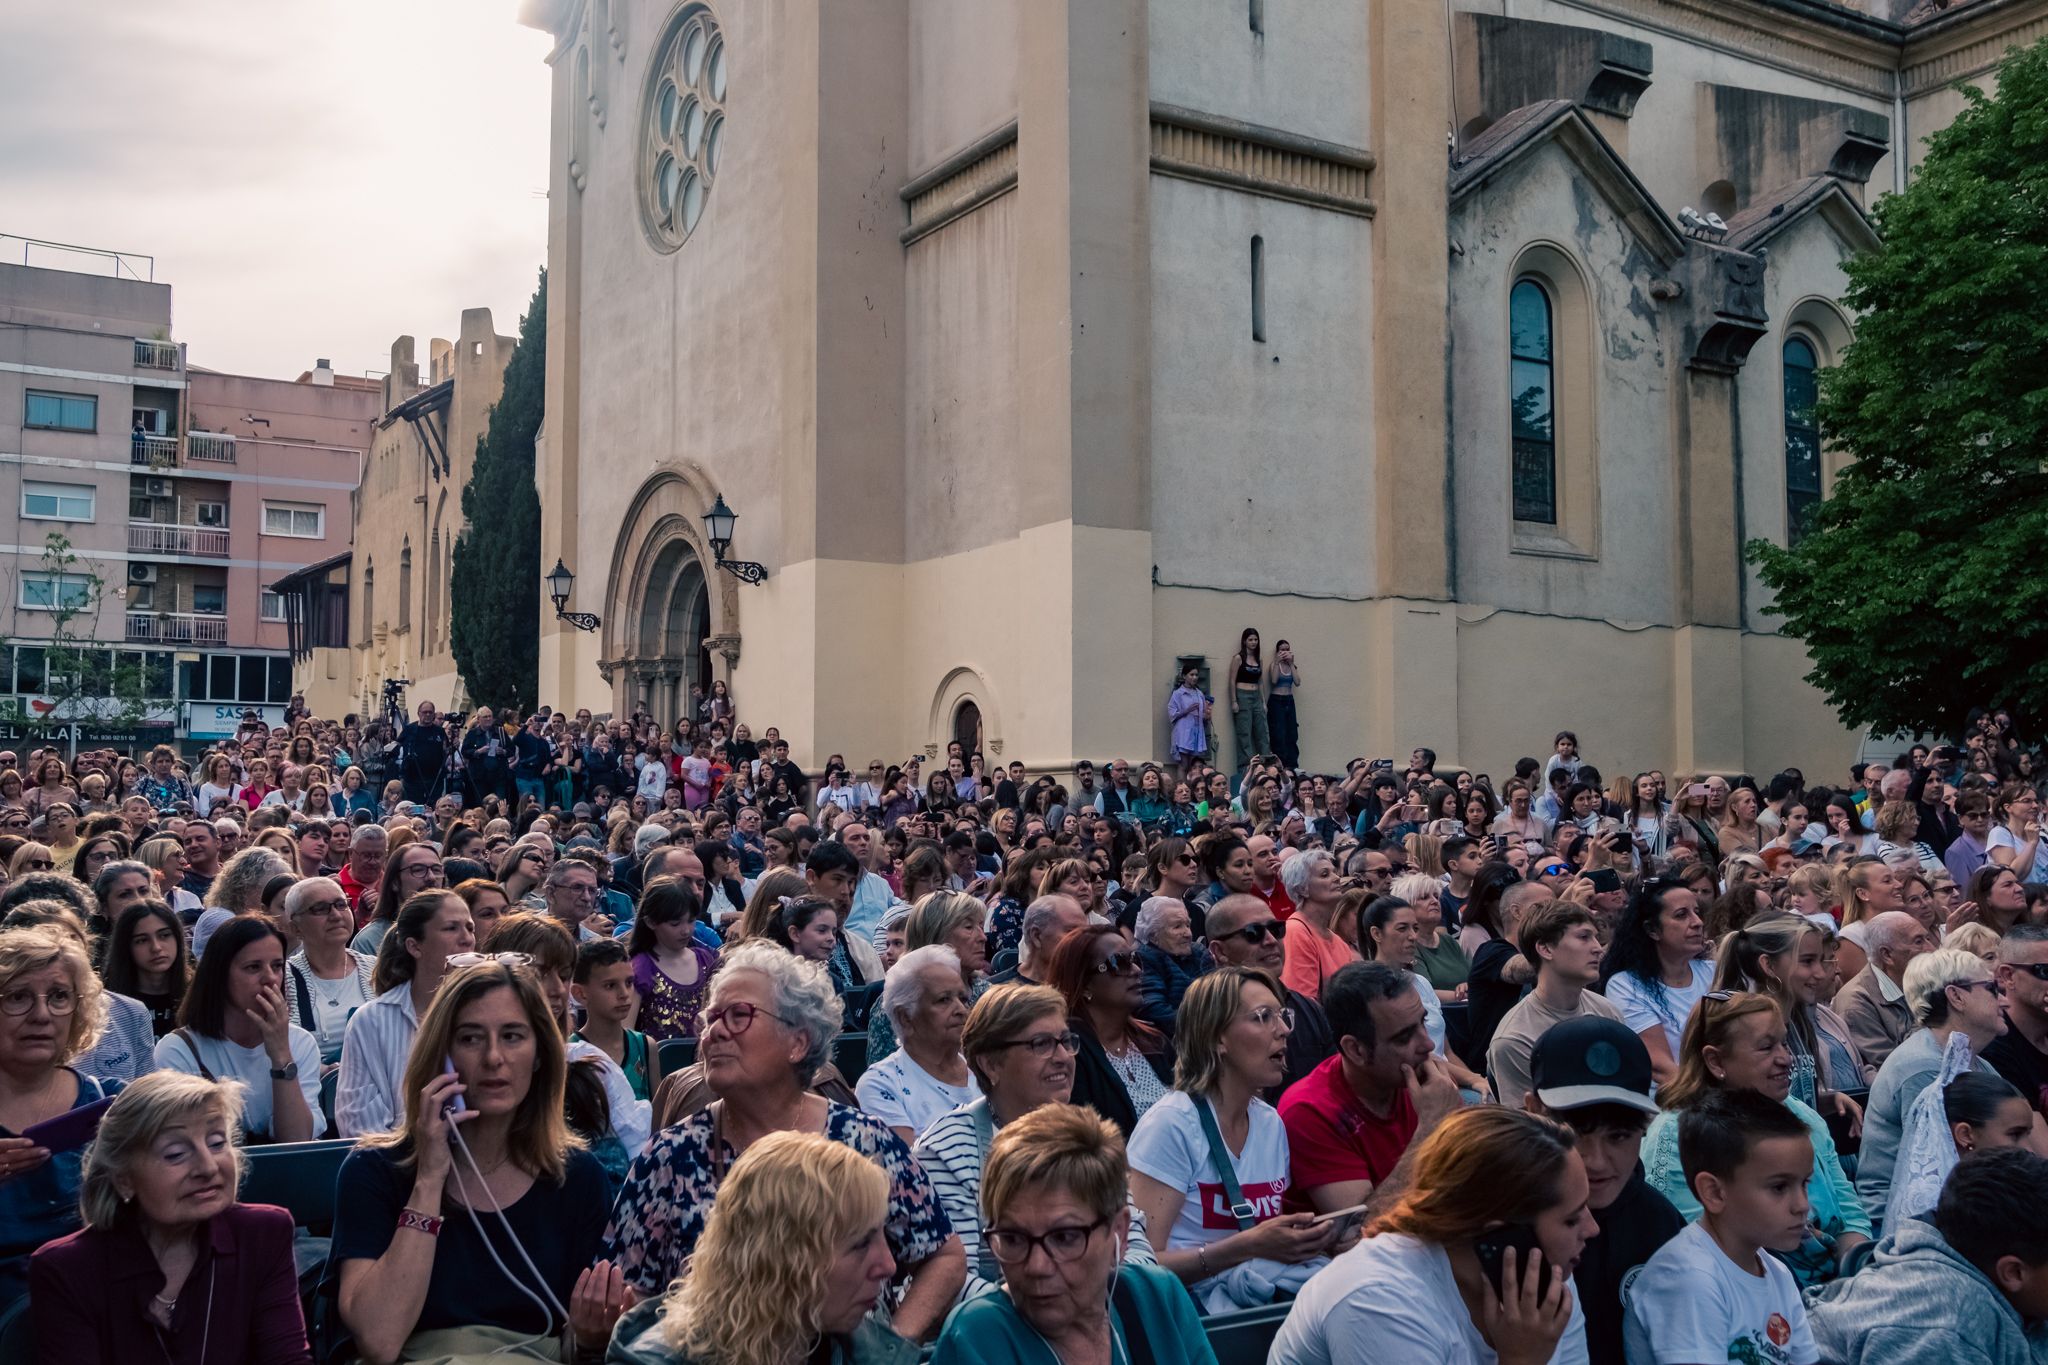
1266, 876
1349, 1120
364, 868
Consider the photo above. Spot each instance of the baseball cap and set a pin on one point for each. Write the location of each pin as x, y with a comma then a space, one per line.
1591, 1060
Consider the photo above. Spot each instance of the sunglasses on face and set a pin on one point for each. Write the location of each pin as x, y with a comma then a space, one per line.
1258, 932
1119, 964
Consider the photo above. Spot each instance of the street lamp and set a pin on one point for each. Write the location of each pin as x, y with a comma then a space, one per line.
718, 530
560, 581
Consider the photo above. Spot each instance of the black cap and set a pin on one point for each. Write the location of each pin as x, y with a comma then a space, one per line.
1591, 1060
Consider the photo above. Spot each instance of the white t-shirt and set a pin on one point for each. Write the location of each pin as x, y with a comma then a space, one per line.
1168, 1145
1398, 1294
1432, 1011
2001, 837
1691, 1304
653, 779
1670, 1006
251, 1066
903, 1094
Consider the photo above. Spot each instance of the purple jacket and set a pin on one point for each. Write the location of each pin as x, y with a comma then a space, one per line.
90, 1294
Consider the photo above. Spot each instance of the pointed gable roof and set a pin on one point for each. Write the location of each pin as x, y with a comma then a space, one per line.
1756, 225
1519, 134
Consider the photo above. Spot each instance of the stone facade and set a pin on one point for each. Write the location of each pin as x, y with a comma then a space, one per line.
1041, 343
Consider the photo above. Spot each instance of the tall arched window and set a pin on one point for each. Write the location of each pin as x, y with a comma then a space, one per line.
1802, 437
1533, 395
405, 587
369, 602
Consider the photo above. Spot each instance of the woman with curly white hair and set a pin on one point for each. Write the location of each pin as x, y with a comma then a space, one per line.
769, 1024
926, 1076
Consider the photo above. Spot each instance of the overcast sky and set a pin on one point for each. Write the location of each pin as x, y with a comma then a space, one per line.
313, 179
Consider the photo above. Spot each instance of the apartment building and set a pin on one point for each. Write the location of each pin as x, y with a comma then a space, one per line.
181, 493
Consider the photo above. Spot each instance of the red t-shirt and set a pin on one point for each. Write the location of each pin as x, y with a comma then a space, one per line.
1331, 1138
1277, 900
353, 889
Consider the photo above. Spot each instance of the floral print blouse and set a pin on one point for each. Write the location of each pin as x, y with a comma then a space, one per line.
669, 1189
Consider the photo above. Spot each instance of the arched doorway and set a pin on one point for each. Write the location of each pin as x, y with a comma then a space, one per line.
967, 727
674, 632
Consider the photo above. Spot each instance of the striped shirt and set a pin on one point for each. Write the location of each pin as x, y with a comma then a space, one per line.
952, 1152
373, 1055
126, 1050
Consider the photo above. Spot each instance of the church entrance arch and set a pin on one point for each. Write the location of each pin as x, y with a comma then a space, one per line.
669, 625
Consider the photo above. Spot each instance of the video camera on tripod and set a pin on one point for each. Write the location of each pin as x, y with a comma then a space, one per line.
394, 701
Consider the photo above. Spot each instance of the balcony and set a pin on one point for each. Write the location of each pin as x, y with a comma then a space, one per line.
152, 452
155, 355
209, 447
158, 538
176, 628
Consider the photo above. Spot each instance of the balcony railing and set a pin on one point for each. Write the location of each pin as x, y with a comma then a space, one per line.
155, 355
152, 452
176, 628
161, 538
209, 447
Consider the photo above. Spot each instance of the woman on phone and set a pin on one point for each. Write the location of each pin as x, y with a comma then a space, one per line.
1283, 677
1247, 704
1477, 1254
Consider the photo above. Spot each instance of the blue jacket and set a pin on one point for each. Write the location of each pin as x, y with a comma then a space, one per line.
1166, 980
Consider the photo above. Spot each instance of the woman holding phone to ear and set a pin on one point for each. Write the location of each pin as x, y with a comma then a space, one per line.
1472, 1263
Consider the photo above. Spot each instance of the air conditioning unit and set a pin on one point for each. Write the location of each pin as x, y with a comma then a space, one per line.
157, 488
142, 573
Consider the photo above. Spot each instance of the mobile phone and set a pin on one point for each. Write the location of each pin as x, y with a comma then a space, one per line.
1696, 789
1491, 1249
1346, 1220
454, 1105
71, 1129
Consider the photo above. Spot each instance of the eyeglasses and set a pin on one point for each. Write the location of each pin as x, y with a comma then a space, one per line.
1258, 932
1992, 986
737, 1019
1012, 1247
1265, 1015
59, 1000
457, 961
1119, 964
335, 907
1041, 1044
1554, 870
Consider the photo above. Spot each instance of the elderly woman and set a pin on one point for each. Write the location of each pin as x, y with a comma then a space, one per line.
802, 1214
1022, 1054
1314, 950
771, 1021
326, 981
925, 998
168, 1263
1169, 956
1058, 1217
952, 918
237, 889
415, 1271
52, 1009
1213, 1132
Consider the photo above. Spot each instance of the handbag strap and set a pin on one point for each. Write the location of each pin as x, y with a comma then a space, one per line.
1226, 1169
192, 1046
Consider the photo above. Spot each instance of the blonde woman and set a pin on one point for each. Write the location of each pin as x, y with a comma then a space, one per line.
52, 1010
411, 1254
799, 1222
1739, 831
1865, 888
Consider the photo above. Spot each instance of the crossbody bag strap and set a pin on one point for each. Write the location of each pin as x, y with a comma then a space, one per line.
192, 1045
310, 1024
1226, 1170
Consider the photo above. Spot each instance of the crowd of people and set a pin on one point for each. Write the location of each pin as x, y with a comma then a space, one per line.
1019, 1067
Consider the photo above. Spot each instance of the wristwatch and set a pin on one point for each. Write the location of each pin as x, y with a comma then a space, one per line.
288, 1072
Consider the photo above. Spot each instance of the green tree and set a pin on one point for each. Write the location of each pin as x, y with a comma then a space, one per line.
1916, 586
494, 587
84, 686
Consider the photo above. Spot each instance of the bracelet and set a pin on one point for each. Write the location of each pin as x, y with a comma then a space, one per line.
1202, 1259
419, 1222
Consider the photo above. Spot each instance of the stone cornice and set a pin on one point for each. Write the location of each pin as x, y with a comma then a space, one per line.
1211, 149
983, 170
1970, 42
1846, 50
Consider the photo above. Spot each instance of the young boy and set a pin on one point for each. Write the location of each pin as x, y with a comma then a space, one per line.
604, 989
1711, 1294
